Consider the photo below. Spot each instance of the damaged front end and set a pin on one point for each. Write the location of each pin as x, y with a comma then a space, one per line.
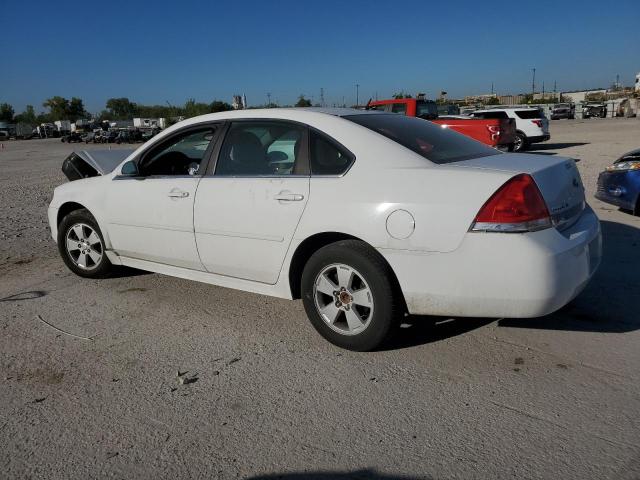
91, 163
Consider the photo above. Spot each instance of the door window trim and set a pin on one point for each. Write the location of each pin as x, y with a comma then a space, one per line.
339, 146
219, 127
301, 164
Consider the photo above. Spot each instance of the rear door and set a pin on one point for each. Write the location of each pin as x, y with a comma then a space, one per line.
248, 206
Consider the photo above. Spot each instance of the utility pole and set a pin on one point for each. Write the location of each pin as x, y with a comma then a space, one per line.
543, 89
357, 94
322, 97
533, 84
268, 99
492, 88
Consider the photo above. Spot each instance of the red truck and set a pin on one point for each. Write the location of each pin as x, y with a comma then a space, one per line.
499, 133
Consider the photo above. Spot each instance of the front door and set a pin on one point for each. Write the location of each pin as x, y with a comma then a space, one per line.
150, 215
247, 211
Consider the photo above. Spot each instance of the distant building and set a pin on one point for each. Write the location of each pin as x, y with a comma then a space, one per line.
239, 102
580, 95
637, 86
150, 122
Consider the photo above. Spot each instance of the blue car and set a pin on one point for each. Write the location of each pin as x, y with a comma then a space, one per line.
619, 184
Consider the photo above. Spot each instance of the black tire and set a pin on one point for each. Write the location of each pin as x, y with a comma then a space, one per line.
377, 274
521, 143
100, 269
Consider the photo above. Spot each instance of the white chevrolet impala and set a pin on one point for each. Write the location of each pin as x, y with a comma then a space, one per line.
366, 216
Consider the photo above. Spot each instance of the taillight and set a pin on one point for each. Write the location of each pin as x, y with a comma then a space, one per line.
517, 206
537, 122
494, 130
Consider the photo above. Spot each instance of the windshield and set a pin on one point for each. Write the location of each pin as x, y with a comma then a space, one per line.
436, 144
428, 110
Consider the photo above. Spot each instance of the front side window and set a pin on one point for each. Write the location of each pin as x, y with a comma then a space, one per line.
436, 144
379, 108
327, 157
179, 155
260, 148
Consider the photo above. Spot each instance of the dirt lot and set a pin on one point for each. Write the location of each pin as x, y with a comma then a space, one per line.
555, 397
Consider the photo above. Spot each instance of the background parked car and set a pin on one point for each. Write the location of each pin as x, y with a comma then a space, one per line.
563, 110
531, 124
73, 137
499, 132
619, 184
597, 110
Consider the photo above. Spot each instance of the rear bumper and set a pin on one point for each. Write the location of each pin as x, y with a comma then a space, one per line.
539, 138
501, 275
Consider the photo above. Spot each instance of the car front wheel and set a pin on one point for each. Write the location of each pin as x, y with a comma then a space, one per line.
349, 296
82, 246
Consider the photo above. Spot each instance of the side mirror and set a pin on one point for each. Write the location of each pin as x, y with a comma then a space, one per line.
130, 169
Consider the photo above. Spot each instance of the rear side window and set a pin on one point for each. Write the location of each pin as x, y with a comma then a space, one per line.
532, 113
327, 157
436, 144
491, 115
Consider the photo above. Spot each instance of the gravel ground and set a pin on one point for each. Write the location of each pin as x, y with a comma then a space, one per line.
555, 397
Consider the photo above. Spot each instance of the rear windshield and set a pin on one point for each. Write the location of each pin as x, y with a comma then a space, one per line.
532, 113
491, 115
436, 144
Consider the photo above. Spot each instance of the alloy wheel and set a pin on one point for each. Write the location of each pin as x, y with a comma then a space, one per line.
343, 299
84, 246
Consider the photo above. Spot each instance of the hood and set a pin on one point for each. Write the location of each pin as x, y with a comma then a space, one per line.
91, 163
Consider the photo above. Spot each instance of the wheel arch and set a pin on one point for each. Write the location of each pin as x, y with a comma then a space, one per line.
68, 207
312, 244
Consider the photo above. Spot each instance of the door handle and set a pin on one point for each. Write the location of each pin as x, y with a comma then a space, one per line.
288, 197
175, 193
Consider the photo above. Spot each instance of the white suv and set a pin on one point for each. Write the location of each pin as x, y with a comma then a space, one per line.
531, 124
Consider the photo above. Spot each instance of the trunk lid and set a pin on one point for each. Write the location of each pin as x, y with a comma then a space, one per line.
557, 178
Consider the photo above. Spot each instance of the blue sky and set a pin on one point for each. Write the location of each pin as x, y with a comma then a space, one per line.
154, 52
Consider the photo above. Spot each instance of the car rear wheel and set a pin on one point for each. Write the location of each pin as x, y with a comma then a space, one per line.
82, 246
349, 296
520, 144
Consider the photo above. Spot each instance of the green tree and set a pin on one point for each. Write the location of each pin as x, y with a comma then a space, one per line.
58, 107
400, 95
6, 112
493, 101
28, 116
121, 108
219, 106
76, 109
193, 109
302, 102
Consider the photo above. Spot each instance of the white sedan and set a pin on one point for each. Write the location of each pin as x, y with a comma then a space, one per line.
366, 216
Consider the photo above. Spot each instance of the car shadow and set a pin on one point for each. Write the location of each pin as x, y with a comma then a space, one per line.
123, 272
418, 330
609, 304
556, 146
364, 474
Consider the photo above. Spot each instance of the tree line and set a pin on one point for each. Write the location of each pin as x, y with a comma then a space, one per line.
60, 108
